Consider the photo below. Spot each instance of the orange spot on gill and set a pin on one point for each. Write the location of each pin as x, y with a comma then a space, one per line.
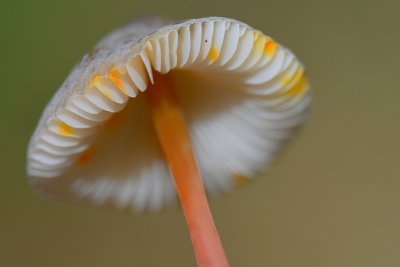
270, 47
214, 54
116, 78
65, 129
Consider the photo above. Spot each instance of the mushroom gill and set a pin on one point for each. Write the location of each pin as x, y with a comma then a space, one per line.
242, 95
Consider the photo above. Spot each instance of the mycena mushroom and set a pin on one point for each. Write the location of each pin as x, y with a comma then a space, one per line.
194, 107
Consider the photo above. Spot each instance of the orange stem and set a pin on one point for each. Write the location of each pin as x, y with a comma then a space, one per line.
175, 141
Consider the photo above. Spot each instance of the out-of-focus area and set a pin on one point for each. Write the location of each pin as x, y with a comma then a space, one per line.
331, 199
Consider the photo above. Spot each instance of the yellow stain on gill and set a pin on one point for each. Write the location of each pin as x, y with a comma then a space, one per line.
96, 81
214, 54
256, 35
107, 94
259, 43
286, 79
239, 179
116, 78
297, 88
86, 156
65, 129
270, 47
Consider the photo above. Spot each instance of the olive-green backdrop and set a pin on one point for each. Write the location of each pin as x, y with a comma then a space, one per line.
333, 197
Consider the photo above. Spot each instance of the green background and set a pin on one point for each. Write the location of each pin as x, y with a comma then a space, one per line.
332, 199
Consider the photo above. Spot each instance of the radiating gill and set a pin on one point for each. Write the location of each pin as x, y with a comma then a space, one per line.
260, 66
101, 101
138, 73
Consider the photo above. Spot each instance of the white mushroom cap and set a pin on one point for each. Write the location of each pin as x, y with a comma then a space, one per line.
242, 93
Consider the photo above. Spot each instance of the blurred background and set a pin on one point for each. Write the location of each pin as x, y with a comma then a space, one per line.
332, 199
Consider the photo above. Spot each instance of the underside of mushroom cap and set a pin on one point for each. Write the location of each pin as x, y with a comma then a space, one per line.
243, 95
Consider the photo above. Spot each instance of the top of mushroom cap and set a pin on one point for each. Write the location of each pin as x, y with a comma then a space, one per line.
242, 93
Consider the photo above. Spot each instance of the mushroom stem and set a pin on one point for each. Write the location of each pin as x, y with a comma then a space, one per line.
174, 138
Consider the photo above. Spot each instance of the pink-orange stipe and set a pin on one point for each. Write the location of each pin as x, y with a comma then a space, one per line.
175, 141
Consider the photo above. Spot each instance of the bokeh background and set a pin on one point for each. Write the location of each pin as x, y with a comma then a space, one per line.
332, 199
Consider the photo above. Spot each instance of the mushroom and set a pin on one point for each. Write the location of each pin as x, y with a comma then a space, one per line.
155, 103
